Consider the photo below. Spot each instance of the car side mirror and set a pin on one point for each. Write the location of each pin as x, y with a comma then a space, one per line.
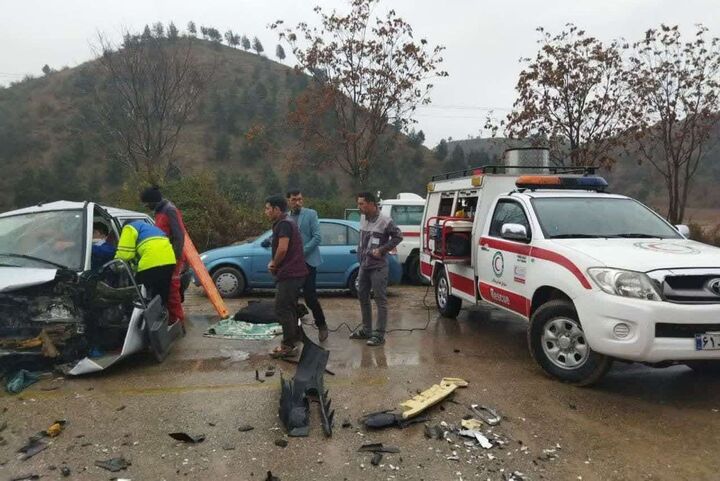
683, 230
516, 232
266, 243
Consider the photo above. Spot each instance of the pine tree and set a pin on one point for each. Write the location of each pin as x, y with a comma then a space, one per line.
245, 42
192, 29
280, 52
257, 46
158, 30
46, 69
146, 33
441, 150
172, 31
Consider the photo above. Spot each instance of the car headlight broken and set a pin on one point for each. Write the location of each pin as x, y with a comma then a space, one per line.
625, 283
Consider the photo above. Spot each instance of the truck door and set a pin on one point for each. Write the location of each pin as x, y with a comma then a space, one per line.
503, 262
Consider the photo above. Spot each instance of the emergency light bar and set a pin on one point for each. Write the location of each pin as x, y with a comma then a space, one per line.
583, 182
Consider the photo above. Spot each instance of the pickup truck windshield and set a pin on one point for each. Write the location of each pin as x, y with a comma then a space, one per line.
599, 217
44, 239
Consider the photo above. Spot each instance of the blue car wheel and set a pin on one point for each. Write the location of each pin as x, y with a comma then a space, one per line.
229, 281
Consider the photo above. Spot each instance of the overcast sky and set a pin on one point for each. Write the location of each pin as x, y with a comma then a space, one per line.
484, 39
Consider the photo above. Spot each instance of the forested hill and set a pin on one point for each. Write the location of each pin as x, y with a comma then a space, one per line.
240, 134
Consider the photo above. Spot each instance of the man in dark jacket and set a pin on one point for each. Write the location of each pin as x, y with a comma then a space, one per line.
378, 236
169, 219
289, 268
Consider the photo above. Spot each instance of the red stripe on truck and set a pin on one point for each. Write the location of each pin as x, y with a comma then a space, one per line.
411, 234
507, 299
463, 284
426, 269
538, 253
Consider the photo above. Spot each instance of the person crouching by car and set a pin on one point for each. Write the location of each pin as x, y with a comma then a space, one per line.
289, 268
151, 248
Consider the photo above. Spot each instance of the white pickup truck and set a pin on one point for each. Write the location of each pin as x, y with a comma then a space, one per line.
599, 277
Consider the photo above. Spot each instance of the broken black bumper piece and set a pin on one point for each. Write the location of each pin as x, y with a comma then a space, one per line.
307, 385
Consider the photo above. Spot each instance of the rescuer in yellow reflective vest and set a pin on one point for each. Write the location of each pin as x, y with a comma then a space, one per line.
154, 254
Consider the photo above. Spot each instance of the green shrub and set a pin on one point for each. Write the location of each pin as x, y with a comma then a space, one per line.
211, 219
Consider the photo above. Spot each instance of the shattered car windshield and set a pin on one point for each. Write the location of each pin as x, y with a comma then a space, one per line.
43, 239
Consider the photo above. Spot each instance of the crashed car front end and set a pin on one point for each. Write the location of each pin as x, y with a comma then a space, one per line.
45, 321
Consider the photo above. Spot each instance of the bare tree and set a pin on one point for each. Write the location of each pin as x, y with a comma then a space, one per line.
572, 98
149, 90
370, 74
675, 87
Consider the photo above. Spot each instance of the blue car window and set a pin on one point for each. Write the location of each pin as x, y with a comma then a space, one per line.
353, 236
333, 234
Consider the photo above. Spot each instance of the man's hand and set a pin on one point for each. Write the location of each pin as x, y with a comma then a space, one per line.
271, 267
376, 253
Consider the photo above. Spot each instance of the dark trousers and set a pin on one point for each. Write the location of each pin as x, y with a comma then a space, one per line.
311, 298
286, 297
157, 281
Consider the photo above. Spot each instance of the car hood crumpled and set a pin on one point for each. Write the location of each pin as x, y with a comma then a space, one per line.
13, 278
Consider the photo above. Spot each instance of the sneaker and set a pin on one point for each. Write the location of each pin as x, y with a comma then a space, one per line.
376, 341
359, 334
322, 334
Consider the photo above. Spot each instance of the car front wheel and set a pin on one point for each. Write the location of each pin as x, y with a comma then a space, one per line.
229, 281
558, 344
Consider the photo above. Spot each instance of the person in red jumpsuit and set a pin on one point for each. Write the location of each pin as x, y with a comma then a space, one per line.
169, 219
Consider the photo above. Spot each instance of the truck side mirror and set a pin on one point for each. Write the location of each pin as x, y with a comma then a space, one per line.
683, 230
266, 243
516, 232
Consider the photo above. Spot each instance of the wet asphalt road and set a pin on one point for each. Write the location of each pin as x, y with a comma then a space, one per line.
637, 424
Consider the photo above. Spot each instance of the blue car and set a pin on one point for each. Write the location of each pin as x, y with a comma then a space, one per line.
240, 267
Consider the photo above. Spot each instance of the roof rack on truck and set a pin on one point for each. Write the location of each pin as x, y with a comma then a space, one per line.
501, 169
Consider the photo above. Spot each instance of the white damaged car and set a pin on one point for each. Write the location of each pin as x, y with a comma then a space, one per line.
56, 307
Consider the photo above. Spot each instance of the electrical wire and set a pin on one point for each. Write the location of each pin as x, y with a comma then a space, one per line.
345, 325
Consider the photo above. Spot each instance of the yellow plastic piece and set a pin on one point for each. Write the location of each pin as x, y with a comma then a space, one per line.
472, 424
54, 430
431, 396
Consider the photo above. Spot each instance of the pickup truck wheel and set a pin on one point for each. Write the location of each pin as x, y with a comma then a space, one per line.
557, 343
229, 281
710, 368
413, 271
447, 304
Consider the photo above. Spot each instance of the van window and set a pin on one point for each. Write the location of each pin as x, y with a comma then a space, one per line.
407, 214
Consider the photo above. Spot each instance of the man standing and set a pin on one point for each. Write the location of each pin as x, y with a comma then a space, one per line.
150, 247
378, 236
289, 268
169, 219
309, 225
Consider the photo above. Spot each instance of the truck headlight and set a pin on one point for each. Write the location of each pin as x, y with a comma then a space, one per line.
625, 283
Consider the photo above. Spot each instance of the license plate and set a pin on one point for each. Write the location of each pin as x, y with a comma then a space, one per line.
710, 341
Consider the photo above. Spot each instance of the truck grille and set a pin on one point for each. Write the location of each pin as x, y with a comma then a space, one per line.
664, 329
693, 289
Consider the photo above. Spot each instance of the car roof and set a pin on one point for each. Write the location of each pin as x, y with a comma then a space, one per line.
50, 206
117, 212
349, 223
69, 205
